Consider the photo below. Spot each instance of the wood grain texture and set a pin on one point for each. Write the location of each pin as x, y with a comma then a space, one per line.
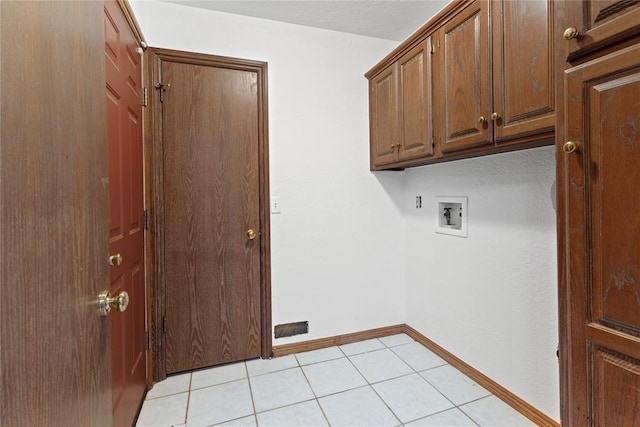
54, 355
415, 118
383, 117
602, 280
601, 23
523, 68
212, 271
465, 80
126, 204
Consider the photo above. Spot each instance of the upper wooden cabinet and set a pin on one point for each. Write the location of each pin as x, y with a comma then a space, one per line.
597, 24
492, 72
400, 105
523, 69
462, 79
497, 86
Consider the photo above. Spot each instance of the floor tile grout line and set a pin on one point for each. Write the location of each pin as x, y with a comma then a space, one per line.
253, 401
186, 411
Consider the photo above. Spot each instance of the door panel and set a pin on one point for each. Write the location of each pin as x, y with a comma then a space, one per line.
465, 79
600, 23
414, 102
211, 200
55, 353
601, 190
126, 234
523, 67
384, 117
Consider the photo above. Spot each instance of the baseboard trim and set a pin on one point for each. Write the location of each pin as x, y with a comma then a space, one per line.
317, 344
538, 417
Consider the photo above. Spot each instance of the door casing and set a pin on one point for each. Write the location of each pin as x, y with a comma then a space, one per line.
154, 197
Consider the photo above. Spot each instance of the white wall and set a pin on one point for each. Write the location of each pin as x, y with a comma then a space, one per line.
490, 298
337, 245
349, 251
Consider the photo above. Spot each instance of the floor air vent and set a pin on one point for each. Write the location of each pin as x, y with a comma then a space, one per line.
291, 329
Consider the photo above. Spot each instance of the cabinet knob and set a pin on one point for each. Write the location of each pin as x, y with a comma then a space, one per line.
571, 33
482, 120
569, 147
495, 116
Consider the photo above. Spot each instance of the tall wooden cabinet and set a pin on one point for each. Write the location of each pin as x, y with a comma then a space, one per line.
598, 140
492, 73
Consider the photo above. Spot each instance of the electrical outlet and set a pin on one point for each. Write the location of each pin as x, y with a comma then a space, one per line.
418, 202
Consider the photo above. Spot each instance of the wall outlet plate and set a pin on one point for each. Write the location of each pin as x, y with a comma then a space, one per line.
451, 216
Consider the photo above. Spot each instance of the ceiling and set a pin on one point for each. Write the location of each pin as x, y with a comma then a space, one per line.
385, 19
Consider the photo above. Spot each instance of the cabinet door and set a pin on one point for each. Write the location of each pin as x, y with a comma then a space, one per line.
600, 187
465, 79
414, 103
523, 74
600, 23
383, 111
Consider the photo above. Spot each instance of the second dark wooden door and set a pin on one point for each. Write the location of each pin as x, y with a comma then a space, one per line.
211, 202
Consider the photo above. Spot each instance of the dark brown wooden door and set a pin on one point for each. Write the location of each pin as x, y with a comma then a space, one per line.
600, 23
464, 79
126, 225
523, 68
602, 240
414, 103
55, 353
211, 201
383, 117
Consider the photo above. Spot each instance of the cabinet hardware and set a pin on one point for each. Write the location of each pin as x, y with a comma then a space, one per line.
482, 120
495, 116
569, 147
571, 33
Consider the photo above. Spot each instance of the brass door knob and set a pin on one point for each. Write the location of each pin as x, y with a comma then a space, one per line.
115, 259
106, 302
482, 120
571, 33
252, 234
495, 117
569, 147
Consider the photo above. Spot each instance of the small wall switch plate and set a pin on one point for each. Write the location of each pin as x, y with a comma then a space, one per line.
275, 205
452, 216
418, 202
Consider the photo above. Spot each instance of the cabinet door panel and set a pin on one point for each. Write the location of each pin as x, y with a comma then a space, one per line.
414, 102
601, 23
466, 79
600, 185
383, 112
523, 91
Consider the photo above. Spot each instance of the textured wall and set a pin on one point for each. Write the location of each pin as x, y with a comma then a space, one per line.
490, 298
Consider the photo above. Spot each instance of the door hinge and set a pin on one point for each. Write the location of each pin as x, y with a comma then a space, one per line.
145, 96
148, 340
164, 324
432, 48
433, 141
145, 215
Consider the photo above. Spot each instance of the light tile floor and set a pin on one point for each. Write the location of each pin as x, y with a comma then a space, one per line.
391, 381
